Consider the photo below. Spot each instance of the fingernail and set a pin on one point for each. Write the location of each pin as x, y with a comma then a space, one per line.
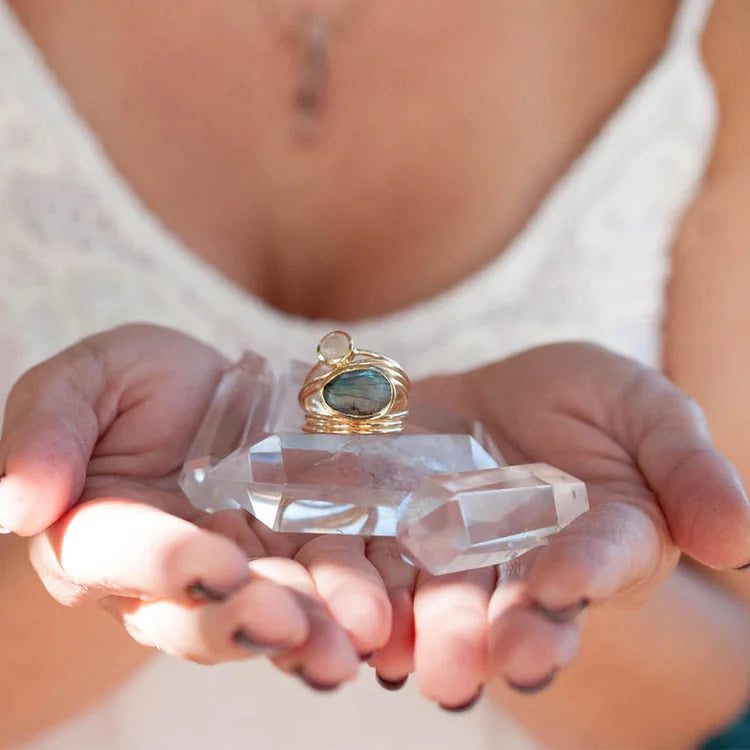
241, 638
202, 593
464, 706
391, 685
318, 686
563, 615
538, 687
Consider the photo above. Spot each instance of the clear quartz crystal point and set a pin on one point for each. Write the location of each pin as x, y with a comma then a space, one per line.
458, 522
250, 453
346, 484
235, 419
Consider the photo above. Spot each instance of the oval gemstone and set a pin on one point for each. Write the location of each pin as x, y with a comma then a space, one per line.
358, 393
335, 345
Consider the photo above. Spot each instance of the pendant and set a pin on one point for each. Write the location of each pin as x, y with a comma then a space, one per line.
314, 35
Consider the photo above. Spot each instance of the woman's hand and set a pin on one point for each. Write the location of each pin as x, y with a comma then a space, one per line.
655, 484
110, 421
93, 442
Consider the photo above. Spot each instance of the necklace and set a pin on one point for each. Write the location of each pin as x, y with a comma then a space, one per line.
309, 33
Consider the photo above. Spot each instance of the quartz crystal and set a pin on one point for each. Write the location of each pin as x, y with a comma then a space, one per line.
344, 484
250, 453
236, 418
441, 486
470, 520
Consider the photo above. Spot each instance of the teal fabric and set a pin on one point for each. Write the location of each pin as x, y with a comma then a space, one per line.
737, 737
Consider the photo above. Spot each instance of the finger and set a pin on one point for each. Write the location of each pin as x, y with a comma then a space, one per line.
261, 619
527, 649
351, 588
49, 433
617, 547
116, 546
700, 492
233, 524
450, 614
327, 658
395, 661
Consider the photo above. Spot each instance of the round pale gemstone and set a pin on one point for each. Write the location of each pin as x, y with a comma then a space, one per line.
334, 346
359, 393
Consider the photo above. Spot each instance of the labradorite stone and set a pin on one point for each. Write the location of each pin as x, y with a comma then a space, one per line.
359, 393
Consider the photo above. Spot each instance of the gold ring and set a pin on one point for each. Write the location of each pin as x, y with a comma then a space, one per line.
353, 391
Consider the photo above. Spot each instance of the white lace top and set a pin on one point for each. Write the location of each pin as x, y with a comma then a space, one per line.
81, 253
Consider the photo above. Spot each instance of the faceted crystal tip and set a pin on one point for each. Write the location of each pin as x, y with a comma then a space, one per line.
473, 519
236, 416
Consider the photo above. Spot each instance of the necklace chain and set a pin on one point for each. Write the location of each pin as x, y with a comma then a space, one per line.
288, 26
310, 32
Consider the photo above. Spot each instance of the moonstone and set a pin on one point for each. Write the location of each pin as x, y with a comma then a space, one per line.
358, 393
335, 345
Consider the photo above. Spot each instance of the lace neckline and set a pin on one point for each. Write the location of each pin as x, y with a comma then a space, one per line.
503, 276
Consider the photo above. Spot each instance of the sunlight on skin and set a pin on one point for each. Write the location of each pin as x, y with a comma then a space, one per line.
138, 544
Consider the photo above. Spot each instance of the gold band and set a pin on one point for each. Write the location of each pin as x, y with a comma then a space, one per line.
353, 391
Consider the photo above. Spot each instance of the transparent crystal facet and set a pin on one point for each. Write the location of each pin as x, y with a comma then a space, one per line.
337, 483
251, 453
236, 417
460, 521
286, 416
434, 485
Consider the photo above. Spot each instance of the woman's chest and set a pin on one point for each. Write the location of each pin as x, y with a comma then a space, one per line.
440, 129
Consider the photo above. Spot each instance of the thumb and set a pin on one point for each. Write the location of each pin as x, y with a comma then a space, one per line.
50, 431
700, 492
99, 397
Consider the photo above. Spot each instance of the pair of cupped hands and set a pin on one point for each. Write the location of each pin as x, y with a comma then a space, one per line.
95, 437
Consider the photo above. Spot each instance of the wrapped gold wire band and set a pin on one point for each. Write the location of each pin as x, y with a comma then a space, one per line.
353, 391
